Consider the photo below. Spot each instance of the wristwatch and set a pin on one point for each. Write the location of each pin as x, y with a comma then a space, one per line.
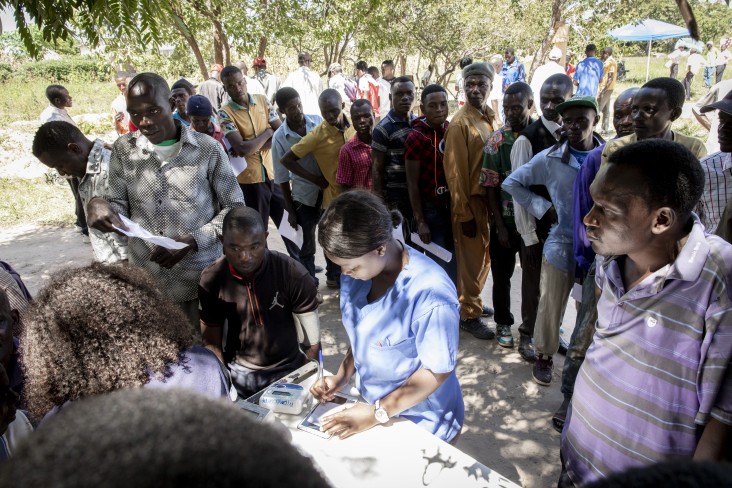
380, 413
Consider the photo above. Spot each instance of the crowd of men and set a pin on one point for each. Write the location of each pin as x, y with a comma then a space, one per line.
624, 226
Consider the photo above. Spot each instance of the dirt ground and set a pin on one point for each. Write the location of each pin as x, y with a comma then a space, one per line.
508, 416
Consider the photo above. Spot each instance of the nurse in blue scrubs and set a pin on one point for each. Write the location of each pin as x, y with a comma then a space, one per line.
401, 313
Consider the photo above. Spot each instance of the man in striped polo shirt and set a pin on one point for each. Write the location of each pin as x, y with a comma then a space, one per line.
656, 382
717, 168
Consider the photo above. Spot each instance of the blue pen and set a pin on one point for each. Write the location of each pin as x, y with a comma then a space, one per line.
320, 364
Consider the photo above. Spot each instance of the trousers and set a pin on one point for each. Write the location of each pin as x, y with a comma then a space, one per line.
530, 280
554, 289
584, 330
266, 198
503, 264
604, 106
473, 260
307, 218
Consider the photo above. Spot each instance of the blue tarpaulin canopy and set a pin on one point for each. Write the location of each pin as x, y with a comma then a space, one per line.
648, 30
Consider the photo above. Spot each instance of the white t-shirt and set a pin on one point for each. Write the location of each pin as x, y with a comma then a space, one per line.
51, 114
695, 62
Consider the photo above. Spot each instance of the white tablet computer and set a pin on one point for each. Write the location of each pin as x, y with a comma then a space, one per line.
311, 422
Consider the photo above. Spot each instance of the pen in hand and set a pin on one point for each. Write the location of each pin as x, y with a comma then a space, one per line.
320, 372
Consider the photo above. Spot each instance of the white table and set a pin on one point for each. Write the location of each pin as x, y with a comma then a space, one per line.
398, 453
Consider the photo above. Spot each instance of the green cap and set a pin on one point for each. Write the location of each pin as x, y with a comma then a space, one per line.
578, 102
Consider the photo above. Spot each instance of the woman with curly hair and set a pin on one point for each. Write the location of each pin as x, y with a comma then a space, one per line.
103, 328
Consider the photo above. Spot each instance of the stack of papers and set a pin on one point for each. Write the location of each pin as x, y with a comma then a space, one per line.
136, 230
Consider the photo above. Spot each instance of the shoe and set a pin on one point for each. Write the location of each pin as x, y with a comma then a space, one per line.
503, 335
333, 283
543, 368
563, 346
319, 298
560, 416
85, 231
487, 311
318, 269
526, 349
477, 328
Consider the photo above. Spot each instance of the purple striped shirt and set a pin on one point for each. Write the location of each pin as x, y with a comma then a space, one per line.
658, 367
717, 189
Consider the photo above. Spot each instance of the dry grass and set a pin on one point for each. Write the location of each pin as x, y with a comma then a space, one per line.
35, 201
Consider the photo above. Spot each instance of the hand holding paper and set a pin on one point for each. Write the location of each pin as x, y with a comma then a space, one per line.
135, 230
289, 232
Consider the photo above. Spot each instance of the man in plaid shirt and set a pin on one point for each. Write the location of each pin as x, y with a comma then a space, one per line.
354, 160
426, 182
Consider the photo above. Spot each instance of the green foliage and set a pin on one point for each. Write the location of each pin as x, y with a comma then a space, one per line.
25, 99
139, 19
6, 71
68, 69
24, 201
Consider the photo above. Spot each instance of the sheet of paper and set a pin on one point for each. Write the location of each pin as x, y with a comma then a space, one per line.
136, 230
286, 230
238, 164
438, 251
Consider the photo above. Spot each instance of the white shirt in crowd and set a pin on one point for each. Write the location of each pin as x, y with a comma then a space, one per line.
695, 62
309, 85
541, 74
51, 114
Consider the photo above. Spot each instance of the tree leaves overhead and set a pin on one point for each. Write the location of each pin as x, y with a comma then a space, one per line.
60, 19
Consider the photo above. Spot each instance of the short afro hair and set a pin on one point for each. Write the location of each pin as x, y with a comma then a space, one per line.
242, 219
361, 102
400, 79
520, 88
53, 137
111, 320
362, 66
157, 438
466, 61
671, 174
54, 91
430, 89
330, 93
153, 80
675, 93
284, 95
229, 71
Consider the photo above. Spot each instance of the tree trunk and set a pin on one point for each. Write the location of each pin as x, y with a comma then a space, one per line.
402, 64
546, 43
182, 27
262, 46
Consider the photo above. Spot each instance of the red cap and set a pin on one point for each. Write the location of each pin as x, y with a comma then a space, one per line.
260, 62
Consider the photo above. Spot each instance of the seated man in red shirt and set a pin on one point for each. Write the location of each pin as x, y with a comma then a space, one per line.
263, 295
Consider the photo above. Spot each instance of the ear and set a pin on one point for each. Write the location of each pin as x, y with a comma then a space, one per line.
530, 104
266, 235
381, 250
172, 104
74, 148
597, 120
675, 113
390, 97
664, 218
343, 106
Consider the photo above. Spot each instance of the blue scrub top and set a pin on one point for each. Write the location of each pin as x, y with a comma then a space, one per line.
414, 325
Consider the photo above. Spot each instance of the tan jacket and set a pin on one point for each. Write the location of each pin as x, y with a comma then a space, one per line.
464, 142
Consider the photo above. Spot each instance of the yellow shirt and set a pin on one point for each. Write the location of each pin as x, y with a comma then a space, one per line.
611, 66
696, 146
324, 143
463, 161
250, 122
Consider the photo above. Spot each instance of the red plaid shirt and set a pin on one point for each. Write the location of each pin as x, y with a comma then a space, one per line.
423, 145
354, 164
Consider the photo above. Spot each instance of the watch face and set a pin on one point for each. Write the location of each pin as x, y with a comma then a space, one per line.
381, 416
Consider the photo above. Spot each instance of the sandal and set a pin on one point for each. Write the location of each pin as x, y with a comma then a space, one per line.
560, 416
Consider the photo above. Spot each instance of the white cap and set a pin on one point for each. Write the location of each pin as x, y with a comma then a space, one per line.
555, 53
